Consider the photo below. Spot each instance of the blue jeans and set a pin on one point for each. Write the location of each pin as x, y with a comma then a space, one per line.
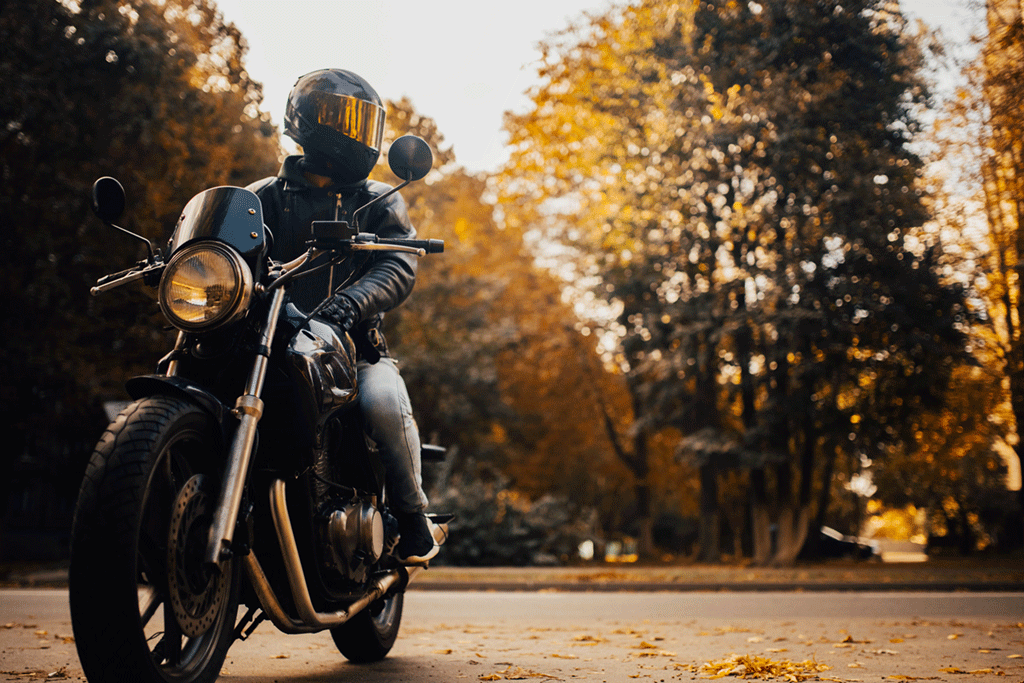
384, 401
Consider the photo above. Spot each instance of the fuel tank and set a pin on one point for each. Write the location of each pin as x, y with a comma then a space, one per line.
322, 365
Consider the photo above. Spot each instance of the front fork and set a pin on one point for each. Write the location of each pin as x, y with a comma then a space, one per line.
248, 409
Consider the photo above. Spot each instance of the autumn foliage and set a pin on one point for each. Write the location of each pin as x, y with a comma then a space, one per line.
699, 307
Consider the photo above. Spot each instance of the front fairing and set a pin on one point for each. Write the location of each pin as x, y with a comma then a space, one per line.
231, 215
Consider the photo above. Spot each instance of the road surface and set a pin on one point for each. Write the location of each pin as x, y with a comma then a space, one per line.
481, 636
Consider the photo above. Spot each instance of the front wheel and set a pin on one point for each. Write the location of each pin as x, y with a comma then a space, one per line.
370, 635
144, 605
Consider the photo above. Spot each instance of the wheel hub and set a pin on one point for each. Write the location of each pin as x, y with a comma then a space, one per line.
198, 591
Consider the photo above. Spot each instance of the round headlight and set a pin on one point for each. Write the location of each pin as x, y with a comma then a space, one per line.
204, 286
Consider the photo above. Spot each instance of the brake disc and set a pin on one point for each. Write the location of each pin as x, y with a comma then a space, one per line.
197, 591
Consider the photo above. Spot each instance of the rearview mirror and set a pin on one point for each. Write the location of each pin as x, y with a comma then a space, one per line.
108, 199
410, 158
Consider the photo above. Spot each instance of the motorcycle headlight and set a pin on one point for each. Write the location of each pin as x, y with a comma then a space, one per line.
204, 286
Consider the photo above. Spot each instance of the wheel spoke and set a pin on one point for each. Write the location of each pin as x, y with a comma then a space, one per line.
152, 558
151, 607
170, 644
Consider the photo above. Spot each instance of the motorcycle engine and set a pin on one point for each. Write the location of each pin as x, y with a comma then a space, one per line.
355, 535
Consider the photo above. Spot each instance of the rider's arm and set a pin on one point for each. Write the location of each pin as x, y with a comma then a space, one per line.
388, 277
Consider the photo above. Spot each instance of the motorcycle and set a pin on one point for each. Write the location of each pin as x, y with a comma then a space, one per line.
241, 475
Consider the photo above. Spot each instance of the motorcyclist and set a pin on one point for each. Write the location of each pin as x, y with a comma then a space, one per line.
338, 120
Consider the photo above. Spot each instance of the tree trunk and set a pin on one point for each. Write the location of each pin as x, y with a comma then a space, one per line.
792, 533
637, 462
710, 524
825, 495
760, 519
645, 521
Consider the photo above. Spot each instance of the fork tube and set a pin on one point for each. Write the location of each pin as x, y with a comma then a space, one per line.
248, 410
179, 345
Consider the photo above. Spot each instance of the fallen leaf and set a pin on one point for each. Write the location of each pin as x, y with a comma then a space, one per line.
895, 641
447, 651
515, 674
752, 666
1014, 656
953, 636
280, 656
627, 632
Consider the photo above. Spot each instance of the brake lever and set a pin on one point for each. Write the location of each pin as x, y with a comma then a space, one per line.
150, 274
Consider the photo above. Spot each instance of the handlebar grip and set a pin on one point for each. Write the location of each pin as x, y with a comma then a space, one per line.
427, 246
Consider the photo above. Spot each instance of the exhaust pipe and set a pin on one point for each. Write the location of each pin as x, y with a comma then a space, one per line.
310, 621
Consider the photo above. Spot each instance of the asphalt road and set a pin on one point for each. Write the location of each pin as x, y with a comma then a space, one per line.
452, 636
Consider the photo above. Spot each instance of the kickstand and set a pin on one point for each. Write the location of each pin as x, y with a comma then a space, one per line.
243, 633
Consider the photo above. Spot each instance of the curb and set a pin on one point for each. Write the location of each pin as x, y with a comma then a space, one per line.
661, 587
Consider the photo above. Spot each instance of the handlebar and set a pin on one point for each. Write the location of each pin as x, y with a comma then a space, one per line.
139, 272
358, 242
334, 236
427, 246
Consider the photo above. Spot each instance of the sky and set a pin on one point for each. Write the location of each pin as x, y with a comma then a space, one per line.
463, 63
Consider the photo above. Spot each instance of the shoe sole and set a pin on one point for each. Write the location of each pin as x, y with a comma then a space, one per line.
440, 534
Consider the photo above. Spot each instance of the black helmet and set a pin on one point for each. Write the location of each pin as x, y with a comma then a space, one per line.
338, 119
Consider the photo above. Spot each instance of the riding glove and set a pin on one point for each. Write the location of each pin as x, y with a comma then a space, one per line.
342, 311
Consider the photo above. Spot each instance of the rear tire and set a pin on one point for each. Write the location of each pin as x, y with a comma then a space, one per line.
123, 598
370, 635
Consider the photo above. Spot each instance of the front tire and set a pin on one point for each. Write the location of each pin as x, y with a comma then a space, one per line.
370, 635
136, 550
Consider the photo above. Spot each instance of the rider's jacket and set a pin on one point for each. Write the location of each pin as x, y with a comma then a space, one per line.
378, 281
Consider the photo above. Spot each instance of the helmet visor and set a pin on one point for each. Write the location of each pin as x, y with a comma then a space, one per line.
352, 117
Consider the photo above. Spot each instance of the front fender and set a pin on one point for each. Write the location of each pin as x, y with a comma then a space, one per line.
151, 385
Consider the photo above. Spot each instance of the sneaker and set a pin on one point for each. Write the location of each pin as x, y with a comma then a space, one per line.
416, 544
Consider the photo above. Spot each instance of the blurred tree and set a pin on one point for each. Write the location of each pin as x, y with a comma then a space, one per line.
953, 467
499, 366
153, 92
997, 119
737, 176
